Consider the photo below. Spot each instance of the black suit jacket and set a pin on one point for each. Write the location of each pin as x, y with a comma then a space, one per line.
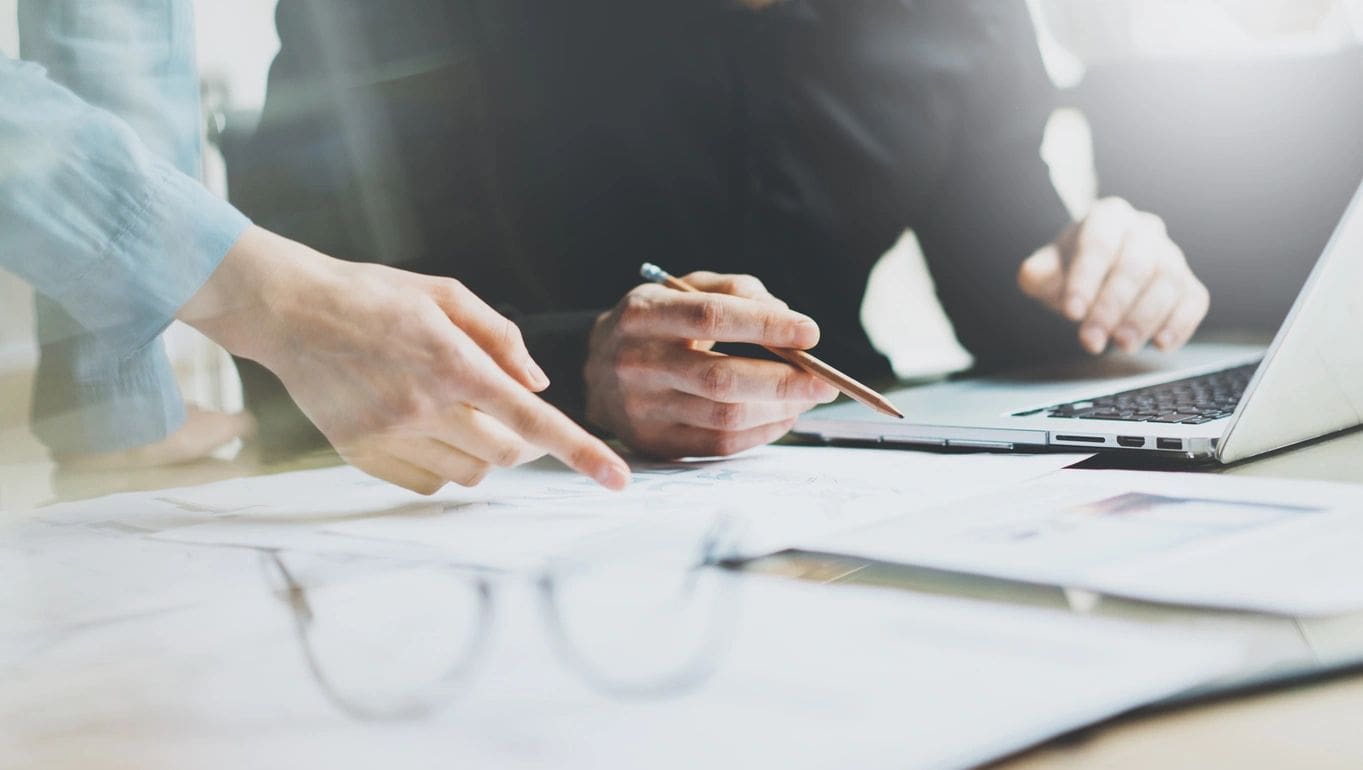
540, 150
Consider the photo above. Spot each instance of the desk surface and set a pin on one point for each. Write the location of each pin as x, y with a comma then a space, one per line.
1311, 726
1304, 726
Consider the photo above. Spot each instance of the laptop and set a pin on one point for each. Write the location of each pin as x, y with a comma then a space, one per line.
1205, 403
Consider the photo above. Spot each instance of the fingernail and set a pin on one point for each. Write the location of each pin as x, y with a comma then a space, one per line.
826, 393
1126, 338
805, 334
1165, 339
1093, 337
537, 376
613, 476
1075, 307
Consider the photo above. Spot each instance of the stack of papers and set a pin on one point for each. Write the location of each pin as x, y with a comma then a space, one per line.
151, 626
1286, 547
814, 677
520, 517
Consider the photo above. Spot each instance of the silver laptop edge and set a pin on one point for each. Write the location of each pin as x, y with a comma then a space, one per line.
1309, 384
1311, 381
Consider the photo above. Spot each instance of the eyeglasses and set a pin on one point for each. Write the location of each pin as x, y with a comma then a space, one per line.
643, 613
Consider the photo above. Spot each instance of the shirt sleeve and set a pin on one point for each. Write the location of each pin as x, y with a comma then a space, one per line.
87, 401
115, 234
995, 203
100, 212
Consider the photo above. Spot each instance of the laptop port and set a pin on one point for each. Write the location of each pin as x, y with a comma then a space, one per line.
1131, 442
1083, 439
1175, 444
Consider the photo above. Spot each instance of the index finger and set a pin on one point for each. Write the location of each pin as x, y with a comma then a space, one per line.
1096, 246
662, 312
542, 425
737, 284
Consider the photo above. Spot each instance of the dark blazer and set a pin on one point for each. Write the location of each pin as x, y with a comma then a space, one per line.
539, 150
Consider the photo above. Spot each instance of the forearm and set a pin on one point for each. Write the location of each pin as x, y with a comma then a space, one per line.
241, 305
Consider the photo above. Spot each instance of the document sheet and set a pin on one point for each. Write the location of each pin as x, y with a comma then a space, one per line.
776, 496
808, 677
1288, 547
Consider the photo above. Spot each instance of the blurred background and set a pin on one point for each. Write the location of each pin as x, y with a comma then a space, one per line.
1238, 121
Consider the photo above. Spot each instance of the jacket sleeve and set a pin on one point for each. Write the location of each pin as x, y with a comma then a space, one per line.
558, 343
874, 116
995, 203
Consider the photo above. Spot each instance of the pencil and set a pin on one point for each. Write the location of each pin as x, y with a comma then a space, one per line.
848, 386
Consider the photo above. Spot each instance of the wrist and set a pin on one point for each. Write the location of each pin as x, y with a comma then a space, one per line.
245, 302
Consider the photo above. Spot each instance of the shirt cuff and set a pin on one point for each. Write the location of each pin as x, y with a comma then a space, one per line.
133, 403
112, 387
152, 268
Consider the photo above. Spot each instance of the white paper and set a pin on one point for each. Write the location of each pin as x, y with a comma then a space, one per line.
54, 577
519, 517
782, 495
815, 677
1287, 547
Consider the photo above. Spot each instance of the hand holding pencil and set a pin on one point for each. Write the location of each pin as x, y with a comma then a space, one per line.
805, 360
652, 379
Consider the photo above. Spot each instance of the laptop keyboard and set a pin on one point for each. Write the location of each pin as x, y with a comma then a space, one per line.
1193, 401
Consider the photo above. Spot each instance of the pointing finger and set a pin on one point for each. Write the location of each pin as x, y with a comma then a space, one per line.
1097, 244
1143, 251
542, 425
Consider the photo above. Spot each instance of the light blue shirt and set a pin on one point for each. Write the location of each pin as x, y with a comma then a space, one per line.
101, 212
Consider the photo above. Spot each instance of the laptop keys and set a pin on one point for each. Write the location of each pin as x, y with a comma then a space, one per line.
1191, 401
